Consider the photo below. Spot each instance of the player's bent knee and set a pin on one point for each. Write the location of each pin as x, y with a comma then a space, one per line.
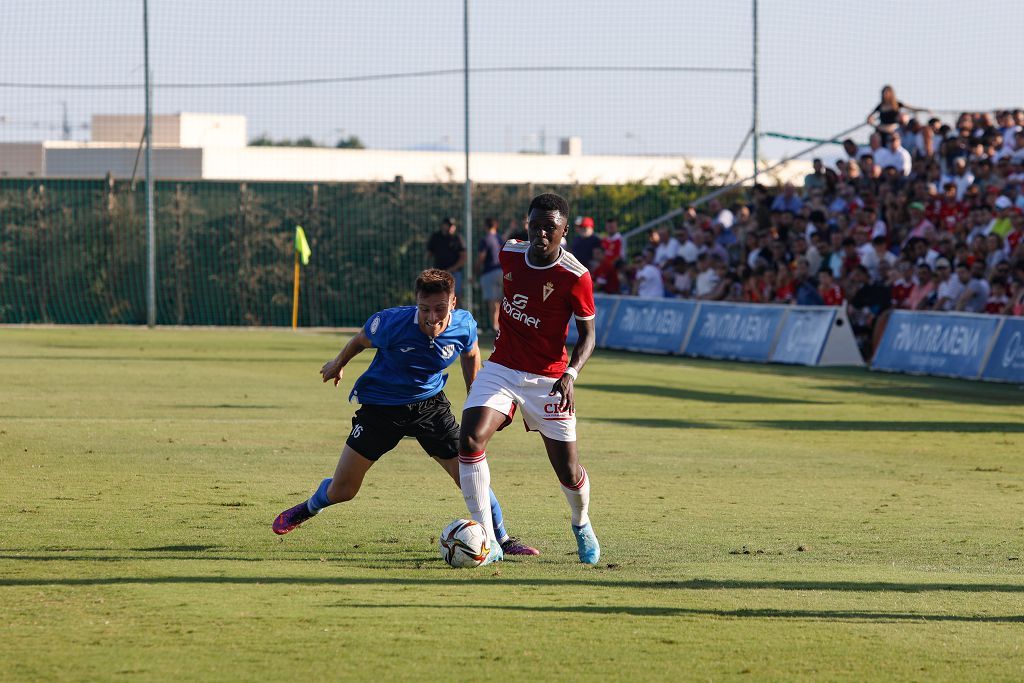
472, 443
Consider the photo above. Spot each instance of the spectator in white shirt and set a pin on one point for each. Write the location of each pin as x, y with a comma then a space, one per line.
688, 250
648, 281
707, 277
894, 155
975, 288
960, 176
949, 287
668, 248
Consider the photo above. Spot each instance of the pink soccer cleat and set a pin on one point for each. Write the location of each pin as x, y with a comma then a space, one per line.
513, 546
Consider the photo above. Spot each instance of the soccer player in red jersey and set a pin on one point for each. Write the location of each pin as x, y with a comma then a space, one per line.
544, 286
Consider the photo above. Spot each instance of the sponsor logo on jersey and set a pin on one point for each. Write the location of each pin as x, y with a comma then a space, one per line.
374, 325
548, 288
515, 310
407, 349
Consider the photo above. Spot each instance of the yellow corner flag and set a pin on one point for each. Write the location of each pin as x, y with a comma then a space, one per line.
301, 245
302, 252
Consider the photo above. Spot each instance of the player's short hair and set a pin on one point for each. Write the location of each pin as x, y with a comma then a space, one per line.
550, 201
490, 223
435, 281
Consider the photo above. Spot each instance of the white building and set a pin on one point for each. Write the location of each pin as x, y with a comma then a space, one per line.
191, 146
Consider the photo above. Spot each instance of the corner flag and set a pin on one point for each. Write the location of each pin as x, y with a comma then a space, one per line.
301, 245
302, 252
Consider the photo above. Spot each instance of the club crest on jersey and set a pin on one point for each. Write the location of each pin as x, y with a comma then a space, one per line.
548, 288
508, 276
447, 351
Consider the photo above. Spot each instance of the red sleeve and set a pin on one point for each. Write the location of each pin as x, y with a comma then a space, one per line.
582, 298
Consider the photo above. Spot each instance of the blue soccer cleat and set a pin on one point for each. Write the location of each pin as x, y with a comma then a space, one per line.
496, 554
586, 543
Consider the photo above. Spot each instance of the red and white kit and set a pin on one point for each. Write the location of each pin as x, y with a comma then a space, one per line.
529, 352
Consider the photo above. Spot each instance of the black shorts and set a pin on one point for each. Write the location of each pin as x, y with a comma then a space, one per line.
377, 429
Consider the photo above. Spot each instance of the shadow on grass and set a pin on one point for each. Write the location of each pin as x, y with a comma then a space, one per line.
681, 394
178, 548
815, 615
961, 392
889, 426
654, 422
461, 579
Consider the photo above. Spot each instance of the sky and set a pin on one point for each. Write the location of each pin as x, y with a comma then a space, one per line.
641, 77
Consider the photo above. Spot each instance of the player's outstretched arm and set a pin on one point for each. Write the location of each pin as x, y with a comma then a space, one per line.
580, 355
334, 369
470, 360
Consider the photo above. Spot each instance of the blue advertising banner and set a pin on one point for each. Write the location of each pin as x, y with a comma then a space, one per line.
651, 325
803, 336
936, 343
735, 331
605, 306
1006, 362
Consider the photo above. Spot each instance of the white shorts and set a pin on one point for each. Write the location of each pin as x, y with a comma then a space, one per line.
504, 389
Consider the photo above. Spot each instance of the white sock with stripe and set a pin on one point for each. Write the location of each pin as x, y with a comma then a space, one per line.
578, 496
475, 479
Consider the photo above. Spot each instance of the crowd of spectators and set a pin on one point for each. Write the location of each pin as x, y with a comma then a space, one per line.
925, 216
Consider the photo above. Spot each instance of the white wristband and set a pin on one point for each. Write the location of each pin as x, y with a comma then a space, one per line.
571, 371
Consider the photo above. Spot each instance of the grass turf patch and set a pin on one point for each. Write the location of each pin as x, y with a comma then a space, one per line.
781, 522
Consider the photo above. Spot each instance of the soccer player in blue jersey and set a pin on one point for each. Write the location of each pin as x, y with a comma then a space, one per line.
402, 394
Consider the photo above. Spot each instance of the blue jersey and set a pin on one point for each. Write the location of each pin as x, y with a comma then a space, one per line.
408, 365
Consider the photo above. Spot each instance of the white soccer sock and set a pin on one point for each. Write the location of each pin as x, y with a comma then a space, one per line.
475, 479
578, 496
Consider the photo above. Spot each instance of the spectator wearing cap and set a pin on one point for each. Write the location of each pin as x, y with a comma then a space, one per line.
948, 287
447, 251
920, 227
1001, 224
975, 291
585, 243
894, 155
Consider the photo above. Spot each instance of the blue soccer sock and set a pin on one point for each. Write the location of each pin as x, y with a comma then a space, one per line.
318, 501
497, 519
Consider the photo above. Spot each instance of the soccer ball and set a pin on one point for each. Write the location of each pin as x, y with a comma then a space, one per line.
464, 544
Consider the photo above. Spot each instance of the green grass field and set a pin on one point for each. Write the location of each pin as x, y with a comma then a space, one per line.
758, 522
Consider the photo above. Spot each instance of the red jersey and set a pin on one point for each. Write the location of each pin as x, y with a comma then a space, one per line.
901, 292
536, 308
1013, 239
612, 246
833, 296
606, 277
